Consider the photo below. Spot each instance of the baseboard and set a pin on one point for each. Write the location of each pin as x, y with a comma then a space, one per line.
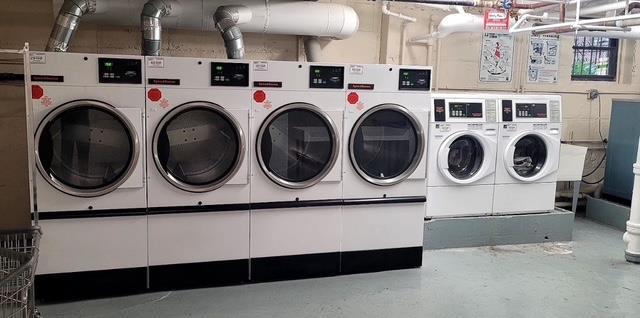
198, 275
381, 260
265, 269
63, 287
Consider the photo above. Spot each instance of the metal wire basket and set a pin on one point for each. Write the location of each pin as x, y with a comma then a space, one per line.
18, 260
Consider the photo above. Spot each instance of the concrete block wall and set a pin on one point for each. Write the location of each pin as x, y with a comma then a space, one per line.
381, 39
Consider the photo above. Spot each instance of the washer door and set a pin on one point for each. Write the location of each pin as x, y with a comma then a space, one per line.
198, 146
464, 157
527, 156
297, 145
86, 148
386, 144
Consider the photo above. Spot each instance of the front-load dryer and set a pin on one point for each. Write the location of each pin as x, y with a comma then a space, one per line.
385, 131
198, 171
528, 154
296, 174
462, 156
90, 168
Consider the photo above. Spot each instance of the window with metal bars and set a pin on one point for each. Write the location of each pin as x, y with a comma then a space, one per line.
594, 59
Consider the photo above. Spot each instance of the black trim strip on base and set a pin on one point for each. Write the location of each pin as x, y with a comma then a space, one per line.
86, 214
276, 268
199, 275
295, 204
386, 200
381, 260
200, 208
63, 287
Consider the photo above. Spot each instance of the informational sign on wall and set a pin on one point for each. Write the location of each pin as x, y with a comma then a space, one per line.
544, 58
496, 20
496, 60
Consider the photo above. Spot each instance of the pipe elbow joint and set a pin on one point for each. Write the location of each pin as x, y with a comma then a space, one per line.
226, 19
67, 23
151, 26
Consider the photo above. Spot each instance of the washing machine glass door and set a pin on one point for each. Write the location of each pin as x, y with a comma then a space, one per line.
529, 156
386, 144
86, 148
465, 157
198, 146
297, 145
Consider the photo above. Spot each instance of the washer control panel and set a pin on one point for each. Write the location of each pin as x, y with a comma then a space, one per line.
119, 71
531, 110
465, 110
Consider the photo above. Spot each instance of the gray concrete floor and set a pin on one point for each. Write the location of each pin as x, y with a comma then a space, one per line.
585, 278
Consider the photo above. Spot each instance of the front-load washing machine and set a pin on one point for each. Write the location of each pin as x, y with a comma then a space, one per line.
462, 161
198, 171
528, 154
90, 162
385, 131
296, 175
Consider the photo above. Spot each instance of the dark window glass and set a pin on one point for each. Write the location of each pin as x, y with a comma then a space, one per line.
385, 144
198, 146
530, 156
86, 148
296, 145
595, 59
465, 157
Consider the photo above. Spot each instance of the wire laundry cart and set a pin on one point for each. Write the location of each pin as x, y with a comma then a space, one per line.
18, 260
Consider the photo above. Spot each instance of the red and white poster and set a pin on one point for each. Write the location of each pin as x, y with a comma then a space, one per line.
496, 21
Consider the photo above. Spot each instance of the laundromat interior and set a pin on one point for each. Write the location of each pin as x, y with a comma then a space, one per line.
352, 158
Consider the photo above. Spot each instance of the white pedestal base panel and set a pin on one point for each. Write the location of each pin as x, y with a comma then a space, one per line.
455, 201
198, 237
517, 198
372, 227
295, 231
76, 245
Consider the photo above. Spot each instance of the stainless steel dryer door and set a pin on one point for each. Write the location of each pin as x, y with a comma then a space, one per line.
86, 148
297, 145
198, 146
386, 144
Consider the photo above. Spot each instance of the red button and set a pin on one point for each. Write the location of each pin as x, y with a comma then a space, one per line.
259, 96
353, 98
36, 91
154, 94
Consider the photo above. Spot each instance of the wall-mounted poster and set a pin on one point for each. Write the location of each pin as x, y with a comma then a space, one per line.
496, 61
544, 58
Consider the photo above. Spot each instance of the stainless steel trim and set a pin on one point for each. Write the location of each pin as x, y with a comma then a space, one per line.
133, 135
335, 149
416, 159
239, 155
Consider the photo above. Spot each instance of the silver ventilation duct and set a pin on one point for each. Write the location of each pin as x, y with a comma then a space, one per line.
151, 26
226, 19
67, 23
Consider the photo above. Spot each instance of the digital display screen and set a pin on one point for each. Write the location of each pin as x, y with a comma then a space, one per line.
414, 80
119, 71
531, 110
465, 110
229, 74
326, 76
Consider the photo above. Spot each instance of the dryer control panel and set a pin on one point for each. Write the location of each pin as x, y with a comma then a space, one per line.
414, 80
229, 74
119, 71
326, 76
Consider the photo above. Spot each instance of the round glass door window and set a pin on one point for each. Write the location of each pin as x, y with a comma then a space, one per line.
86, 148
465, 157
529, 156
386, 144
198, 146
297, 145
